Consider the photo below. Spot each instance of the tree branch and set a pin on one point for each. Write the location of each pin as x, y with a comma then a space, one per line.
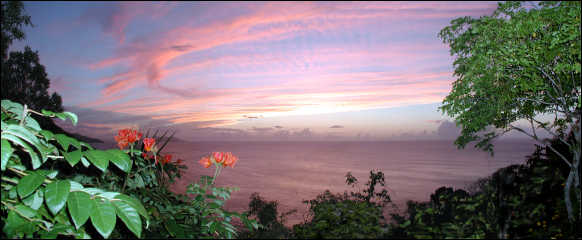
542, 142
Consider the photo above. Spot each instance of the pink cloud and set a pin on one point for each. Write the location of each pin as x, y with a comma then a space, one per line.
149, 64
152, 62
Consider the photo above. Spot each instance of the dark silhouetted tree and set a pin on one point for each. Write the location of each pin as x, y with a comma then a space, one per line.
24, 79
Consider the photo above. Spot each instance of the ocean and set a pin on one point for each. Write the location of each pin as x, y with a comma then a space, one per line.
291, 172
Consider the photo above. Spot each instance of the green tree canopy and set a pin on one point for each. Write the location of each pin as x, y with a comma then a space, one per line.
521, 62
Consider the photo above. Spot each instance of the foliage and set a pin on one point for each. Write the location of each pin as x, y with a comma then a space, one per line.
41, 201
353, 215
173, 215
272, 224
518, 201
13, 19
24, 79
519, 63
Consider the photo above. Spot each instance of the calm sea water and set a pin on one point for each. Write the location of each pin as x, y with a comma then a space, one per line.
290, 172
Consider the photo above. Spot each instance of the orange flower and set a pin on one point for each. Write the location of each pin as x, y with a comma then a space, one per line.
148, 143
121, 143
127, 136
133, 136
230, 160
205, 161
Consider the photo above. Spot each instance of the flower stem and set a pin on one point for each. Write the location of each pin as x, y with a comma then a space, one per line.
216, 173
127, 174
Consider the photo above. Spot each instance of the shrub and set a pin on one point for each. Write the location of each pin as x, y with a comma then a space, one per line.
39, 201
354, 215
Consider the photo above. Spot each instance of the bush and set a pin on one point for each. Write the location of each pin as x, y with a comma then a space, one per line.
354, 215
272, 225
40, 201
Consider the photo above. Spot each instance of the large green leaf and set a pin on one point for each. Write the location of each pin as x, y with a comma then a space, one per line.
80, 206
31, 123
129, 216
72, 157
135, 204
6, 152
12, 106
56, 194
120, 159
65, 141
35, 200
15, 224
103, 217
29, 183
35, 160
22, 132
99, 158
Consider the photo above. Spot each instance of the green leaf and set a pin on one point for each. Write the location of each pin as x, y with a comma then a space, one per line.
71, 116
35, 200
31, 123
103, 217
139, 181
56, 194
6, 152
80, 206
21, 132
99, 158
129, 216
35, 160
75, 186
15, 224
135, 204
72, 157
48, 135
26, 211
86, 145
29, 183
65, 141
120, 159
12, 106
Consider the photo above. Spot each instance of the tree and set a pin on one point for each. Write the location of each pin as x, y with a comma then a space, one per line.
24, 79
12, 22
521, 62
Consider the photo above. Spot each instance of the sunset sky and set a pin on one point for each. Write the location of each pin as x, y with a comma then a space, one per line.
251, 71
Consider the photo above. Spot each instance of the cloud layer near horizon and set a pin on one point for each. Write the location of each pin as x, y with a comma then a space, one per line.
213, 65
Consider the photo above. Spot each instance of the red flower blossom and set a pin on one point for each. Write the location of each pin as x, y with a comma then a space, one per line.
218, 156
230, 160
127, 136
223, 158
167, 158
145, 156
148, 143
205, 161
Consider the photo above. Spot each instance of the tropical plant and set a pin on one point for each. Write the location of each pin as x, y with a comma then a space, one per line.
40, 200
